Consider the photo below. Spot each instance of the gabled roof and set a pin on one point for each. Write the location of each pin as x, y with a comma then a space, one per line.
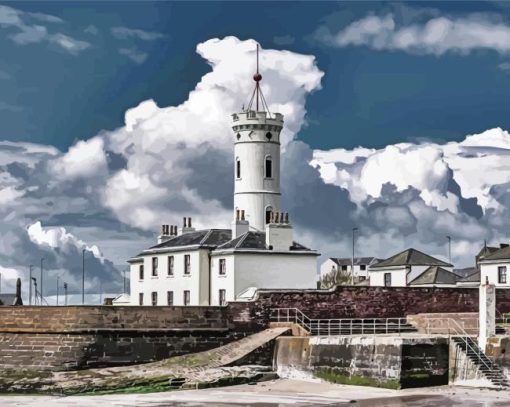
410, 257
209, 238
500, 254
255, 241
435, 275
486, 251
357, 261
472, 278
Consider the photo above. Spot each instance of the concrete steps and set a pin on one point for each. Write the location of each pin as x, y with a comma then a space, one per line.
486, 366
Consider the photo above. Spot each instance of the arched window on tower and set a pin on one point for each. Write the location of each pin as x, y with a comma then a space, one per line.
238, 168
269, 210
269, 167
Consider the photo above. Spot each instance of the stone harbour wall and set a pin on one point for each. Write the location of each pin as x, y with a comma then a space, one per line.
382, 361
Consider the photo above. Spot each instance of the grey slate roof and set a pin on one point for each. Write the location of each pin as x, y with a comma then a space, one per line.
486, 251
255, 241
435, 275
500, 254
410, 257
472, 278
357, 261
7, 299
464, 272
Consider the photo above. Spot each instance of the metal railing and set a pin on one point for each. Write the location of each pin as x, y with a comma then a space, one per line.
468, 339
342, 326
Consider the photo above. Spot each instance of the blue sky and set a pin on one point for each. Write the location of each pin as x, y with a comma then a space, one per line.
115, 119
370, 98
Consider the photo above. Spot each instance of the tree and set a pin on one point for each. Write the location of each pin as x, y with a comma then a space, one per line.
336, 277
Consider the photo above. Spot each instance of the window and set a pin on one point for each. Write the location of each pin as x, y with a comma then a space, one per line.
502, 275
223, 267
269, 167
222, 297
187, 264
170, 297
186, 297
363, 267
387, 279
238, 168
170, 265
154, 266
269, 211
140, 272
344, 267
269, 136
154, 298
140, 299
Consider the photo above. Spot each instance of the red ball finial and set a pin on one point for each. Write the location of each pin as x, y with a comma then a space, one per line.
257, 77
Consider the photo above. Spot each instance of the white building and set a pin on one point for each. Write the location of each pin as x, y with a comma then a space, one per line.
359, 272
494, 267
409, 266
213, 266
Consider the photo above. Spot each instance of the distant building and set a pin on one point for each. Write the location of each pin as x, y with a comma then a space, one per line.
214, 266
494, 266
360, 271
409, 266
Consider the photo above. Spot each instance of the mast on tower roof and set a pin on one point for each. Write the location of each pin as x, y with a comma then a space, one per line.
257, 94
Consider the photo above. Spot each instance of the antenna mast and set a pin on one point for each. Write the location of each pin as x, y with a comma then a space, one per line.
257, 92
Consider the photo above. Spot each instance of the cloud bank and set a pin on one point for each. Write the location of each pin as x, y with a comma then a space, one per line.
436, 35
108, 195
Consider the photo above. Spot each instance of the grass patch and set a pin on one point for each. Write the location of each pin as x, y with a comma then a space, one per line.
335, 377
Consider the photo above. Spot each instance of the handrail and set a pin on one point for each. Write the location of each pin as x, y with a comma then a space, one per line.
461, 333
336, 326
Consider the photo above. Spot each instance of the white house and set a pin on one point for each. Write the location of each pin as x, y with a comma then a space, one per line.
359, 272
494, 266
404, 268
213, 266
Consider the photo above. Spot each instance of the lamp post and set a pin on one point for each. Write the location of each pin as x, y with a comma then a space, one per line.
58, 277
83, 277
41, 280
449, 249
30, 267
35, 290
65, 293
354, 230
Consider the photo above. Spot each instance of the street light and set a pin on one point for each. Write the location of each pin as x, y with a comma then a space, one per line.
30, 267
449, 249
354, 230
83, 277
58, 277
35, 290
42, 298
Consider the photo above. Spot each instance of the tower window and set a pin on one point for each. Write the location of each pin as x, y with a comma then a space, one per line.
269, 210
269, 136
238, 168
238, 136
269, 167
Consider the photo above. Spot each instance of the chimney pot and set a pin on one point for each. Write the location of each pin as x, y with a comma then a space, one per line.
162, 229
287, 217
184, 222
242, 214
238, 216
189, 222
271, 217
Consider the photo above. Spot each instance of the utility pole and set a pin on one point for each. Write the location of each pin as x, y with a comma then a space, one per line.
30, 267
449, 249
58, 277
65, 293
42, 298
354, 230
83, 277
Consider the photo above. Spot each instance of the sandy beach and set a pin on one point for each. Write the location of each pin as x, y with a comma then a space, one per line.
281, 393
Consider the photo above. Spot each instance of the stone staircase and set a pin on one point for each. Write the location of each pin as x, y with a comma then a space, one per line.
485, 365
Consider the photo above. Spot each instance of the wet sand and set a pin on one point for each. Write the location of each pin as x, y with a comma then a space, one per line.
281, 393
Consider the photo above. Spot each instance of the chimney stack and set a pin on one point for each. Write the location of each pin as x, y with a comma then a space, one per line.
239, 225
279, 232
165, 234
186, 228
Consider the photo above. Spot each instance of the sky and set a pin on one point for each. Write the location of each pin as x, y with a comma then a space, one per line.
115, 120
